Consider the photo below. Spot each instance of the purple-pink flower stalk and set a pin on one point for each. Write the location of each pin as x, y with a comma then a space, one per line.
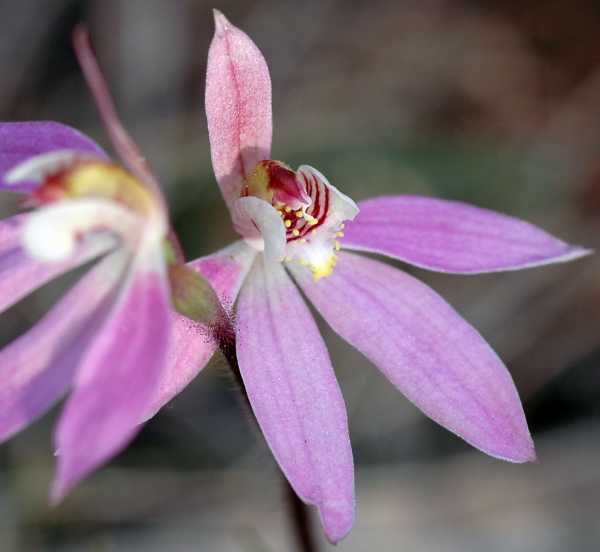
295, 223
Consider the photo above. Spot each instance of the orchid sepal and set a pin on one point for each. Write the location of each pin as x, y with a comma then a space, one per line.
453, 237
240, 85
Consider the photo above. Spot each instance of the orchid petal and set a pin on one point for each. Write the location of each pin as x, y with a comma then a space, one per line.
430, 354
449, 236
238, 106
118, 376
20, 274
37, 368
20, 141
192, 344
261, 225
294, 394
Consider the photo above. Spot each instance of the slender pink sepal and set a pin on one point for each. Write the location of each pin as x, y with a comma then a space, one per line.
124, 145
37, 369
448, 236
431, 354
293, 391
20, 274
117, 377
238, 106
193, 344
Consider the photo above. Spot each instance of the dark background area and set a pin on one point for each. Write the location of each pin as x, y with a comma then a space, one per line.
493, 102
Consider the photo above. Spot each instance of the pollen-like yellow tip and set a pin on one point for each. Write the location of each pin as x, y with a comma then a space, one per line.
102, 180
324, 269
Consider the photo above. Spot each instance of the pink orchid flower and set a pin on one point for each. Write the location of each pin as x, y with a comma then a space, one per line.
109, 334
109, 340
292, 226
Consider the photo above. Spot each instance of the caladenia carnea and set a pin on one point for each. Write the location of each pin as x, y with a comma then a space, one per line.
298, 230
113, 341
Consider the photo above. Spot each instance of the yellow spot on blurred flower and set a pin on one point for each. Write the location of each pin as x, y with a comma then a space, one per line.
103, 180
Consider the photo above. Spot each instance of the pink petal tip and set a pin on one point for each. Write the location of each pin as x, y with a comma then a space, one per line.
221, 22
337, 521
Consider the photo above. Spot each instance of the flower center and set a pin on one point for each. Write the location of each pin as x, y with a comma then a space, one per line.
78, 196
95, 179
311, 209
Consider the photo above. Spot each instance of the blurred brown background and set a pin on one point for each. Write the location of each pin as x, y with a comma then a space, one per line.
493, 102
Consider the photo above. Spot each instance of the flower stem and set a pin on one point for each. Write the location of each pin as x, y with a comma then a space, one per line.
297, 510
299, 515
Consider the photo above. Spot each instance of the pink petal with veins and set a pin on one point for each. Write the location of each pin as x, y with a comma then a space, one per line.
295, 396
449, 236
238, 106
428, 352
117, 377
37, 369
